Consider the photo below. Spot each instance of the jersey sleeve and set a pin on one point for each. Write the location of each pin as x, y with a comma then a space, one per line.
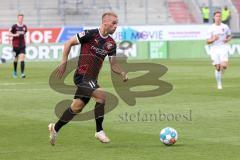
83, 36
228, 32
12, 29
26, 29
113, 51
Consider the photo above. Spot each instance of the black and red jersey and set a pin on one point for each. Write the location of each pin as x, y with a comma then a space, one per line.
94, 49
19, 42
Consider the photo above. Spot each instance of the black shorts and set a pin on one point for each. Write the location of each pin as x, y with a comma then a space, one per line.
85, 87
205, 20
19, 50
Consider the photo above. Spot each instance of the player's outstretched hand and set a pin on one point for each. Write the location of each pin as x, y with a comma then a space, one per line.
125, 76
60, 70
226, 40
216, 37
16, 35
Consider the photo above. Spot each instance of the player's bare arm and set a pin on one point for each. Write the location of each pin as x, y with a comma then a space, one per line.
228, 38
115, 67
13, 35
213, 39
66, 50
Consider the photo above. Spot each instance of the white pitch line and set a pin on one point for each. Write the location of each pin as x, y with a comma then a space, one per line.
14, 84
30, 89
10, 84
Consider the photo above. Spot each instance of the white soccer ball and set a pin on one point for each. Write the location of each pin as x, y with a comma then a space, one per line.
168, 136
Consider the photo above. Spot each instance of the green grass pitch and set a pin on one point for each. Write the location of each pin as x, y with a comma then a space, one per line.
208, 127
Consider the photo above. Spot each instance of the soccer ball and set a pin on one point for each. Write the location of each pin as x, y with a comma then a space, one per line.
168, 136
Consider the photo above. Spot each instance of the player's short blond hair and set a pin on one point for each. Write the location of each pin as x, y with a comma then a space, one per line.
20, 14
109, 13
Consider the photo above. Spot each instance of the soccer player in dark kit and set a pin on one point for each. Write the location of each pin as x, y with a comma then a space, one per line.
96, 44
17, 33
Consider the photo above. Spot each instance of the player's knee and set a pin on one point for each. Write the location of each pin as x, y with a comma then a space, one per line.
22, 57
77, 105
224, 65
218, 67
76, 109
100, 100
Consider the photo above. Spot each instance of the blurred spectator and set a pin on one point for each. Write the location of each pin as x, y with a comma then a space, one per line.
226, 15
205, 14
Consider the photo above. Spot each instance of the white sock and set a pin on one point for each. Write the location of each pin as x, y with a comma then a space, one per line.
218, 76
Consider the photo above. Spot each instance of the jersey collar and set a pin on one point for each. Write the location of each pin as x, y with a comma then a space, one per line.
20, 24
101, 34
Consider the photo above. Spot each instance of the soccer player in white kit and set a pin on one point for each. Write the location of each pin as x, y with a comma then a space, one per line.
218, 36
